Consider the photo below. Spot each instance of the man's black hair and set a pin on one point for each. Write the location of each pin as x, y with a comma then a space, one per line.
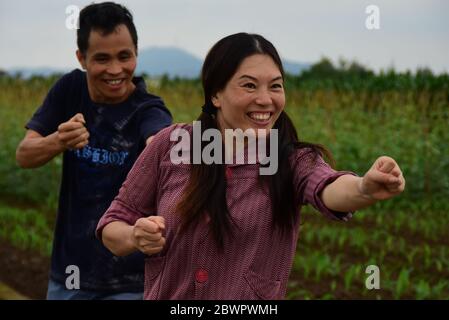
103, 17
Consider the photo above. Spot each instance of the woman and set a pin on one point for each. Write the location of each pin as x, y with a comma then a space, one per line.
223, 231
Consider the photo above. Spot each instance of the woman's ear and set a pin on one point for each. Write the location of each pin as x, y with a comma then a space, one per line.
216, 101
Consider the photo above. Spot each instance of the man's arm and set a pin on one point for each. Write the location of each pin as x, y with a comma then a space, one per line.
348, 193
35, 150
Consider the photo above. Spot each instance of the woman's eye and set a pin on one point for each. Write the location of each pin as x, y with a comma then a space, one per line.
277, 86
249, 85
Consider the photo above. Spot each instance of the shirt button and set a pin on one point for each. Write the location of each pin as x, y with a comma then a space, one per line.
201, 275
228, 173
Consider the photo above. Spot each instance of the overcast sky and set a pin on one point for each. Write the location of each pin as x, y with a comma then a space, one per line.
413, 33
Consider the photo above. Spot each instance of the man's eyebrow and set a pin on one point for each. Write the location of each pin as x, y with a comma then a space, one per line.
104, 54
127, 51
101, 54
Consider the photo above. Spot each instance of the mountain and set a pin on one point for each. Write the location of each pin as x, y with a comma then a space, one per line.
172, 61
157, 61
41, 71
295, 68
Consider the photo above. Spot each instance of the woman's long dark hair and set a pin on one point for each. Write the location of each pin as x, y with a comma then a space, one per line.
205, 195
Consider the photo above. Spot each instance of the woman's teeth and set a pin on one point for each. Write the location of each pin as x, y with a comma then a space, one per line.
114, 82
259, 116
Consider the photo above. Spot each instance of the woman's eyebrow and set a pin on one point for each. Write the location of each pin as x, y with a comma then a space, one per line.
247, 76
255, 79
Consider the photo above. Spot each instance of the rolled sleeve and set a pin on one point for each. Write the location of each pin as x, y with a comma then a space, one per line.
318, 181
137, 196
118, 211
311, 175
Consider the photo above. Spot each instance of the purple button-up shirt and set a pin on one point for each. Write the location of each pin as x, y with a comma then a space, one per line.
255, 264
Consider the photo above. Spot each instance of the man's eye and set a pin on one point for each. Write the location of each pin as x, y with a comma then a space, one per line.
124, 57
101, 59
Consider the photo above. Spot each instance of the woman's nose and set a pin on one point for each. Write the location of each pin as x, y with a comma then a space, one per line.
263, 97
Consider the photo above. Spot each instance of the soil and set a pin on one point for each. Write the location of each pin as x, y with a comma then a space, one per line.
24, 271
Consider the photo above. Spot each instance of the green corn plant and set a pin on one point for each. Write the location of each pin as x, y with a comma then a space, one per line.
402, 283
422, 290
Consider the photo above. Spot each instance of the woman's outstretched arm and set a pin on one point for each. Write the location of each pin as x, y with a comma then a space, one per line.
348, 193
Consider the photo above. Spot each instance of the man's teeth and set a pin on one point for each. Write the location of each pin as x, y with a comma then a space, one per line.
114, 82
259, 116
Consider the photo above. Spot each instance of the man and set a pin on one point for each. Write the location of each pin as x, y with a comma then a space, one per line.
101, 120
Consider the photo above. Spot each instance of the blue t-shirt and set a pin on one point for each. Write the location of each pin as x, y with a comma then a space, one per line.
92, 176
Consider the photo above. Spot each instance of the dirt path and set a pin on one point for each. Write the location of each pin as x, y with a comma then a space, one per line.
23, 273
8, 293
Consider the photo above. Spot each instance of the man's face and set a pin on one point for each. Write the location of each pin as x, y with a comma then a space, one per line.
110, 61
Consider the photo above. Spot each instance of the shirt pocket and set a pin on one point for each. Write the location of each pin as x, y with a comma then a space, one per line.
262, 287
153, 268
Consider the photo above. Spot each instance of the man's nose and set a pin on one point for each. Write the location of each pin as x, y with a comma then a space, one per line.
114, 67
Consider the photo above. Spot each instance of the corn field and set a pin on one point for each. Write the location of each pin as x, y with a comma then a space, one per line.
359, 116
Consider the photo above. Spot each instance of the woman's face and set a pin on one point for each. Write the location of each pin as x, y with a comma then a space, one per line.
253, 98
